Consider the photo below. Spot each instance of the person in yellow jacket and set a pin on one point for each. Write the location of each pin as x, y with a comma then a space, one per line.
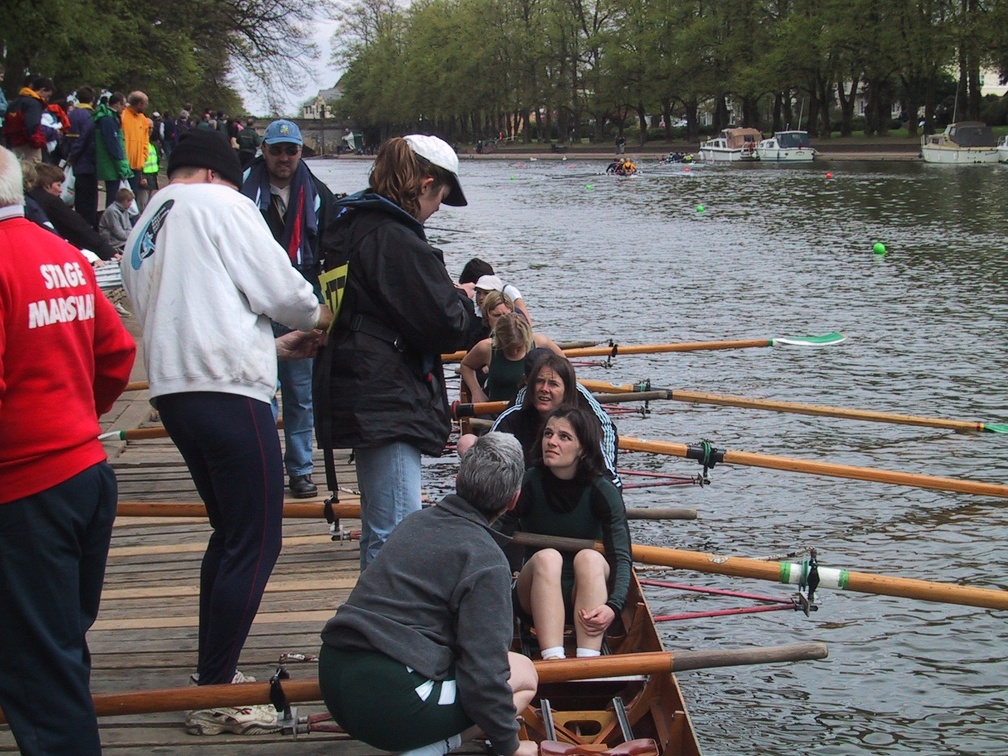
136, 133
150, 170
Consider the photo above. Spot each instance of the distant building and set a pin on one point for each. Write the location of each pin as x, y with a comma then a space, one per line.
991, 84
321, 105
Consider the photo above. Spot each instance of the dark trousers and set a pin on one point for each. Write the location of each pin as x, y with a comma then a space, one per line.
111, 189
53, 547
231, 447
86, 198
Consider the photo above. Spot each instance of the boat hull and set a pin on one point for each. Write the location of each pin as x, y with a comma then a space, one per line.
725, 155
785, 155
960, 155
583, 713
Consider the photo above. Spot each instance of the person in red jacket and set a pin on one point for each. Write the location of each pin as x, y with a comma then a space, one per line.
23, 128
65, 357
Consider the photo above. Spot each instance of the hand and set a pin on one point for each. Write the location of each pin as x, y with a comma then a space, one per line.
298, 345
596, 620
324, 319
527, 748
468, 288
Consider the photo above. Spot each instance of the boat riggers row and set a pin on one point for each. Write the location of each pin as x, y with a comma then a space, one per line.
708, 456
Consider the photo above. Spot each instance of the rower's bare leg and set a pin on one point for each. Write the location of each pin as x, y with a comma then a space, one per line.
540, 594
591, 574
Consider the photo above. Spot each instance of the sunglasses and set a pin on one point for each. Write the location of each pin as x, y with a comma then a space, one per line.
280, 149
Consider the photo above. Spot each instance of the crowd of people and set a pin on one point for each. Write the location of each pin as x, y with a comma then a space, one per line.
341, 304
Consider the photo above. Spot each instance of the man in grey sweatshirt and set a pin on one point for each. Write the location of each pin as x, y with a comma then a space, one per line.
417, 658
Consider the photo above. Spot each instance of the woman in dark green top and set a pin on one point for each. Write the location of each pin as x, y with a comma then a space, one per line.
567, 493
502, 356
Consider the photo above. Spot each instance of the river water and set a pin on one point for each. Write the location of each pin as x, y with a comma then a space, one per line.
776, 252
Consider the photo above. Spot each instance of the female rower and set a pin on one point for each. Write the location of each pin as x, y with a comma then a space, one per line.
568, 494
551, 382
502, 356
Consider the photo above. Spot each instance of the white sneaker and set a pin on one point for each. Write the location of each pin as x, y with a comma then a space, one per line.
122, 310
239, 677
242, 720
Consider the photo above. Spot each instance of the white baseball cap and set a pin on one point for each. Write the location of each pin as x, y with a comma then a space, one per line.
439, 152
490, 283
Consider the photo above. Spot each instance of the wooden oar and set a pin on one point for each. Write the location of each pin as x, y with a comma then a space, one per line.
476, 409
291, 510
829, 469
798, 408
144, 434
791, 573
458, 410
316, 511
615, 349
453, 357
560, 670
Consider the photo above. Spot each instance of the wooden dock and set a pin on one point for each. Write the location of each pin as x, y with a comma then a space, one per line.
145, 635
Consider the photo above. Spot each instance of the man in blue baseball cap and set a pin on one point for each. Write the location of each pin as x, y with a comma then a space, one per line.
296, 206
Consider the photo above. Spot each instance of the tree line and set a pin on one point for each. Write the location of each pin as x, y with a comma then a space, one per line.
185, 51
473, 69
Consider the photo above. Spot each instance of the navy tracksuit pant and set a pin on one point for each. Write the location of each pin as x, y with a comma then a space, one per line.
231, 447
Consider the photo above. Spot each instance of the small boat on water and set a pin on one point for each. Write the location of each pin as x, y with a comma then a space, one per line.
622, 167
731, 145
597, 714
1003, 149
786, 147
962, 143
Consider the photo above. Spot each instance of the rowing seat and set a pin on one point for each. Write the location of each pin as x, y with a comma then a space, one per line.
638, 747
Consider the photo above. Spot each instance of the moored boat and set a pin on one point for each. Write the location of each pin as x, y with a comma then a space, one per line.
1003, 149
731, 145
604, 713
786, 147
962, 143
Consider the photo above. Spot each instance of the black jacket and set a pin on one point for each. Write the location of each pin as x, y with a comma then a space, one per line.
380, 379
70, 225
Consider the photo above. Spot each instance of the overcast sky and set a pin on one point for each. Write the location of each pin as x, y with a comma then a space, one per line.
325, 77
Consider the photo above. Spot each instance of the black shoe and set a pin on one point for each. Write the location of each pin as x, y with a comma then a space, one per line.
301, 487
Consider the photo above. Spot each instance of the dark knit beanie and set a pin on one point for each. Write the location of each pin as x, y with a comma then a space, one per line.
206, 148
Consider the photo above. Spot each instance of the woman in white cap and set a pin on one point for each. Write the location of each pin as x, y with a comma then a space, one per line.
379, 384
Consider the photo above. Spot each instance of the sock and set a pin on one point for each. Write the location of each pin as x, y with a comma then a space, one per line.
587, 653
437, 748
554, 652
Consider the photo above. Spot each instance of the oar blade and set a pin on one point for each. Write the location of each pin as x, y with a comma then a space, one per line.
996, 427
827, 339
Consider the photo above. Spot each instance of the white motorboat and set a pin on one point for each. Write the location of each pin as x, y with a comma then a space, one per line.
731, 145
786, 147
961, 143
1003, 149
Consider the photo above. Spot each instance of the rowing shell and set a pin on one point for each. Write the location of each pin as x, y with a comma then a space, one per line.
586, 713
